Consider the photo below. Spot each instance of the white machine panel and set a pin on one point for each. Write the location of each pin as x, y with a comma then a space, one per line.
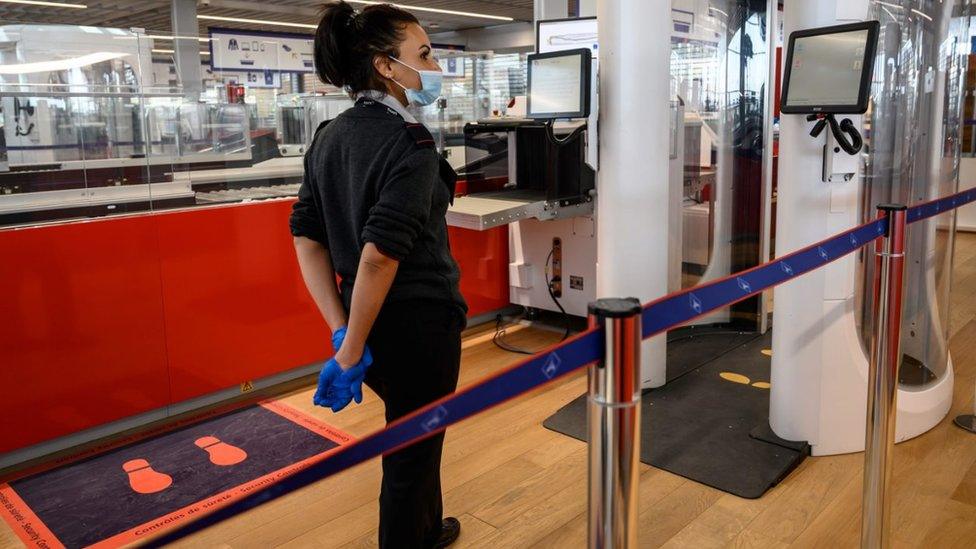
529, 244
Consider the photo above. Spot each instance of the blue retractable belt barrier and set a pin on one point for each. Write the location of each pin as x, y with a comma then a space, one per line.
658, 316
676, 309
941, 205
540, 369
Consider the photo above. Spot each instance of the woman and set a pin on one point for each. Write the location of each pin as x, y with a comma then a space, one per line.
372, 210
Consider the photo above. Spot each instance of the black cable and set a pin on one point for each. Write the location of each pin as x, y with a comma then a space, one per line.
552, 136
852, 146
552, 295
499, 338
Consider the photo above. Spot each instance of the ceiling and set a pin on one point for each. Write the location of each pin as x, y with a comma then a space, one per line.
154, 15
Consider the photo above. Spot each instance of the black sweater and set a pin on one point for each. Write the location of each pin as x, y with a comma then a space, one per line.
372, 177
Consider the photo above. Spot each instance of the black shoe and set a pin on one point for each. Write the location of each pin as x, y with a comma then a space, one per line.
450, 530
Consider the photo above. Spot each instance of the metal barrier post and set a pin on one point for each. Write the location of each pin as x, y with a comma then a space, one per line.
613, 407
967, 421
883, 380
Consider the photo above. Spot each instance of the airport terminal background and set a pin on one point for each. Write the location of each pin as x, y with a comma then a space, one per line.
159, 350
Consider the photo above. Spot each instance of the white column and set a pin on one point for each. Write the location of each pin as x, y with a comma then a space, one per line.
587, 8
186, 47
632, 200
551, 9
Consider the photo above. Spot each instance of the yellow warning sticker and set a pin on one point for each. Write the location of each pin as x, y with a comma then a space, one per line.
247, 387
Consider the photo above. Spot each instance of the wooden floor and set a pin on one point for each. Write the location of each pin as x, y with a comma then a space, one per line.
515, 484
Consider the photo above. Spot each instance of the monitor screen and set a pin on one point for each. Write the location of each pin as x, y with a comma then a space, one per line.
559, 84
829, 70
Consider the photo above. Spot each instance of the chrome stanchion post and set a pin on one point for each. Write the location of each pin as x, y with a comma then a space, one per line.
613, 409
883, 380
967, 421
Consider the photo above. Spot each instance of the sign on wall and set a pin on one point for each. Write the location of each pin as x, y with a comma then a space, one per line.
452, 66
254, 79
566, 34
254, 51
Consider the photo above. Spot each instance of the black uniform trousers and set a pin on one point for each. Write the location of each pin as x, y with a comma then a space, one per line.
416, 348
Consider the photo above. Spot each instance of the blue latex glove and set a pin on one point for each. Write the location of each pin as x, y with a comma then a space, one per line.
338, 337
337, 387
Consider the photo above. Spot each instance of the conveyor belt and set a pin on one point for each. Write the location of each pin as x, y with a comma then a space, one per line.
249, 193
290, 167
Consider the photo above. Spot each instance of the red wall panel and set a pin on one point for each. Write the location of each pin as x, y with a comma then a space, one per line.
483, 259
236, 306
82, 341
111, 318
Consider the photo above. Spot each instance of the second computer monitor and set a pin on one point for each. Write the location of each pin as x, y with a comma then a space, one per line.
559, 84
828, 70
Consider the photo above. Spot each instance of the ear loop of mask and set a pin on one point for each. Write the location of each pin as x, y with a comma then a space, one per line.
405, 65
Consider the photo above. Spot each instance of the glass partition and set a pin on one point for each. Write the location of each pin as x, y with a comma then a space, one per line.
321, 107
96, 122
914, 140
477, 85
719, 71
75, 127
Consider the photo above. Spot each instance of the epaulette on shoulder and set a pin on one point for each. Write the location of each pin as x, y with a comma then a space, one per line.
420, 134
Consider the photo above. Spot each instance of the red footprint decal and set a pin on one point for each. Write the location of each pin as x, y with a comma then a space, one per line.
220, 452
144, 479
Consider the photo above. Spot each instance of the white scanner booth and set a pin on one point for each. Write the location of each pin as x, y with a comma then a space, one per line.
822, 321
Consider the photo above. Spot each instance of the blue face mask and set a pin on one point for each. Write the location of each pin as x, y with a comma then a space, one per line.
431, 83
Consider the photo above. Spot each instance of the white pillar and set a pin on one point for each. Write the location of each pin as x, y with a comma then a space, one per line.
186, 47
632, 200
551, 9
587, 8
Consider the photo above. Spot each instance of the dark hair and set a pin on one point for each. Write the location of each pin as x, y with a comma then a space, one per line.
346, 43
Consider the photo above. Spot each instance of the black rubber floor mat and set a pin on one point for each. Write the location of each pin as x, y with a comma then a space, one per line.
118, 495
691, 347
698, 426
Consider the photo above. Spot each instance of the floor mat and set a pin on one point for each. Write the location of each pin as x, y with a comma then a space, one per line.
698, 426
121, 494
691, 347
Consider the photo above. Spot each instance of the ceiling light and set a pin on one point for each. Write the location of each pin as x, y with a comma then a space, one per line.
48, 4
61, 64
256, 21
920, 14
438, 10
310, 26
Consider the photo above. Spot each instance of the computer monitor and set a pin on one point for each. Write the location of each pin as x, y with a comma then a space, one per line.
559, 84
828, 70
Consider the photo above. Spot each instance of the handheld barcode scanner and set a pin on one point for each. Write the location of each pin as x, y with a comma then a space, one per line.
846, 126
